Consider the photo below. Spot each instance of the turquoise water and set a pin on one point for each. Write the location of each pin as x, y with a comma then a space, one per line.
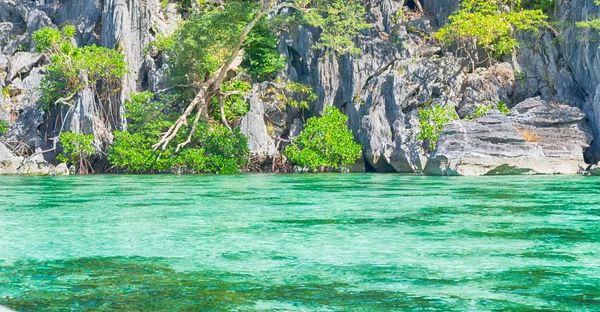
299, 243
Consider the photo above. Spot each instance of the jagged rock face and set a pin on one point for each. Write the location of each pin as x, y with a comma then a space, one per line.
126, 24
337, 80
441, 9
385, 120
536, 137
254, 128
579, 48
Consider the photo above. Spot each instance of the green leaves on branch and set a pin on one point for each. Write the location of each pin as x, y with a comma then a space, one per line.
325, 144
213, 147
491, 24
432, 121
3, 127
206, 41
235, 106
72, 69
339, 20
76, 150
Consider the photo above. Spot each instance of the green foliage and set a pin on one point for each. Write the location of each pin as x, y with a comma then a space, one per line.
6, 92
207, 40
432, 122
69, 31
325, 144
593, 24
3, 127
492, 24
261, 58
47, 38
480, 111
339, 20
543, 5
235, 106
503, 108
294, 94
72, 69
76, 149
213, 148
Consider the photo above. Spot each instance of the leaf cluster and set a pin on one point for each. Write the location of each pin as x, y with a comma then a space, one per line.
432, 121
213, 147
3, 127
72, 69
325, 144
76, 149
235, 105
492, 24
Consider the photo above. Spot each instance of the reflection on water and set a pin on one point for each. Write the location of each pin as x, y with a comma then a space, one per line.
299, 242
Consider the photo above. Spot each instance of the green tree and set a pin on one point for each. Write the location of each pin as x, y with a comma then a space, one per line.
76, 150
432, 121
325, 144
212, 149
491, 25
214, 43
72, 69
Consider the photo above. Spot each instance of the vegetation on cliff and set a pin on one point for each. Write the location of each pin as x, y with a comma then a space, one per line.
491, 25
222, 39
212, 149
325, 144
73, 69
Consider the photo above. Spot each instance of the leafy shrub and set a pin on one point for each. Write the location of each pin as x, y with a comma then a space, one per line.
72, 69
503, 108
492, 24
261, 58
235, 106
3, 127
432, 122
480, 111
213, 147
325, 144
76, 150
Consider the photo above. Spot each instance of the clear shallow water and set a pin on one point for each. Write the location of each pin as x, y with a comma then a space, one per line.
299, 242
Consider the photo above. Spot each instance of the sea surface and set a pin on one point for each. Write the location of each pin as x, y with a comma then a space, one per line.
327, 242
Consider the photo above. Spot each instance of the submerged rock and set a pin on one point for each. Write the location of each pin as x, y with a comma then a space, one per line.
537, 137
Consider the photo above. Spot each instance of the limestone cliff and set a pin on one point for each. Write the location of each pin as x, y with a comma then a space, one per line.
399, 71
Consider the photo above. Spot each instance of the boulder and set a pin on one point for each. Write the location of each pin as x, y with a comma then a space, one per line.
35, 165
253, 126
536, 137
384, 118
22, 63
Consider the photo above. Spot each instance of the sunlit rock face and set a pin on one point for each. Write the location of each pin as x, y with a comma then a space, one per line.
398, 72
536, 137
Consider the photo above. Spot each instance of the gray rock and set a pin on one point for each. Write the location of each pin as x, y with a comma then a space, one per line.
37, 20
384, 118
85, 15
80, 118
6, 29
253, 126
5, 153
22, 63
441, 9
35, 165
59, 170
296, 128
3, 66
536, 138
